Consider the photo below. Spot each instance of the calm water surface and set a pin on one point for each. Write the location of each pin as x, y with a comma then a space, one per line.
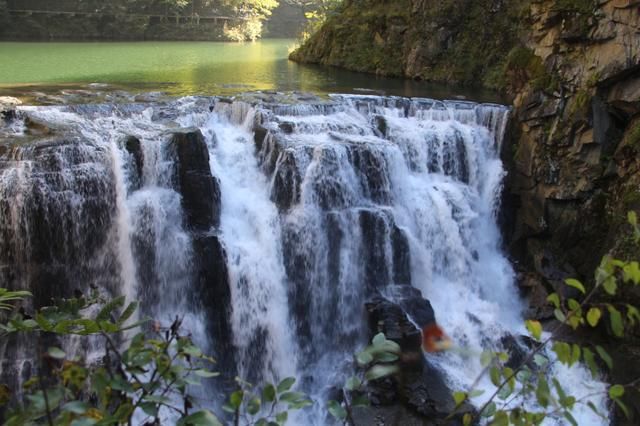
186, 68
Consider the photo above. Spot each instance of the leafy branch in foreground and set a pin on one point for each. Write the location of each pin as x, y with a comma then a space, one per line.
148, 377
377, 360
529, 380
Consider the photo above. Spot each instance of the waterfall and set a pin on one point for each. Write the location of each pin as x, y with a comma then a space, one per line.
309, 210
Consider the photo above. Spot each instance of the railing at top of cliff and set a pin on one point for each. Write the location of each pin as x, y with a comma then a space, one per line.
205, 18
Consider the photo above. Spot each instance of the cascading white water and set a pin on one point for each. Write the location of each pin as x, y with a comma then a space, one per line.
323, 206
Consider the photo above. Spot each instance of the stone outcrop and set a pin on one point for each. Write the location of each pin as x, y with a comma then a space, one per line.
200, 190
201, 203
418, 393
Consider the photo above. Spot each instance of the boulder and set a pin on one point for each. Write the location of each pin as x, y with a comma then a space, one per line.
214, 294
419, 386
134, 148
200, 190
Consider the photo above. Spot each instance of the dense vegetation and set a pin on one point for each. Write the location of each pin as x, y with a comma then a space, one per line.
147, 19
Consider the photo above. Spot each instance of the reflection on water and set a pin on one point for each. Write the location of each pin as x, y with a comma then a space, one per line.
184, 68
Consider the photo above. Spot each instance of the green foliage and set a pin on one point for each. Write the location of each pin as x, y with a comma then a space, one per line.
378, 360
529, 381
7, 296
150, 373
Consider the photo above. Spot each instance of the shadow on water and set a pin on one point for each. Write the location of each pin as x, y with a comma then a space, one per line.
42, 72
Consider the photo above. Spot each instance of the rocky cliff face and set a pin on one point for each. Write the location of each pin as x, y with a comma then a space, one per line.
574, 170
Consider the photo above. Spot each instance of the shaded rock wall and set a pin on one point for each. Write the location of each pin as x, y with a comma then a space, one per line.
573, 161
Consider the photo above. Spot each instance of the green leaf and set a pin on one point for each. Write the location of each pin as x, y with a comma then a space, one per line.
292, 397
476, 393
337, 410
286, 384
353, 383
281, 418
385, 357
486, 357
76, 407
555, 299
593, 316
535, 328
616, 321
559, 315
623, 407
467, 419
632, 217
610, 285
567, 415
109, 308
500, 419
56, 353
128, 312
149, 408
254, 405
490, 410
595, 410
616, 391
494, 374
631, 272
200, 418
459, 397
379, 371
360, 401
364, 358
575, 354
605, 356
563, 350
589, 358
206, 373
269, 393
192, 350
236, 399
575, 284
542, 392
378, 339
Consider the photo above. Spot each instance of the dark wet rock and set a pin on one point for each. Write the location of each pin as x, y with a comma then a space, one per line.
371, 167
375, 229
518, 349
417, 307
36, 127
381, 125
134, 148
287, 127
419, 386
200, 190
214, 295
259, 135
8, 115
285, 191
65, 213
401, 257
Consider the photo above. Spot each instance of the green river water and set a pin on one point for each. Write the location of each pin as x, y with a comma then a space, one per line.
28, 70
